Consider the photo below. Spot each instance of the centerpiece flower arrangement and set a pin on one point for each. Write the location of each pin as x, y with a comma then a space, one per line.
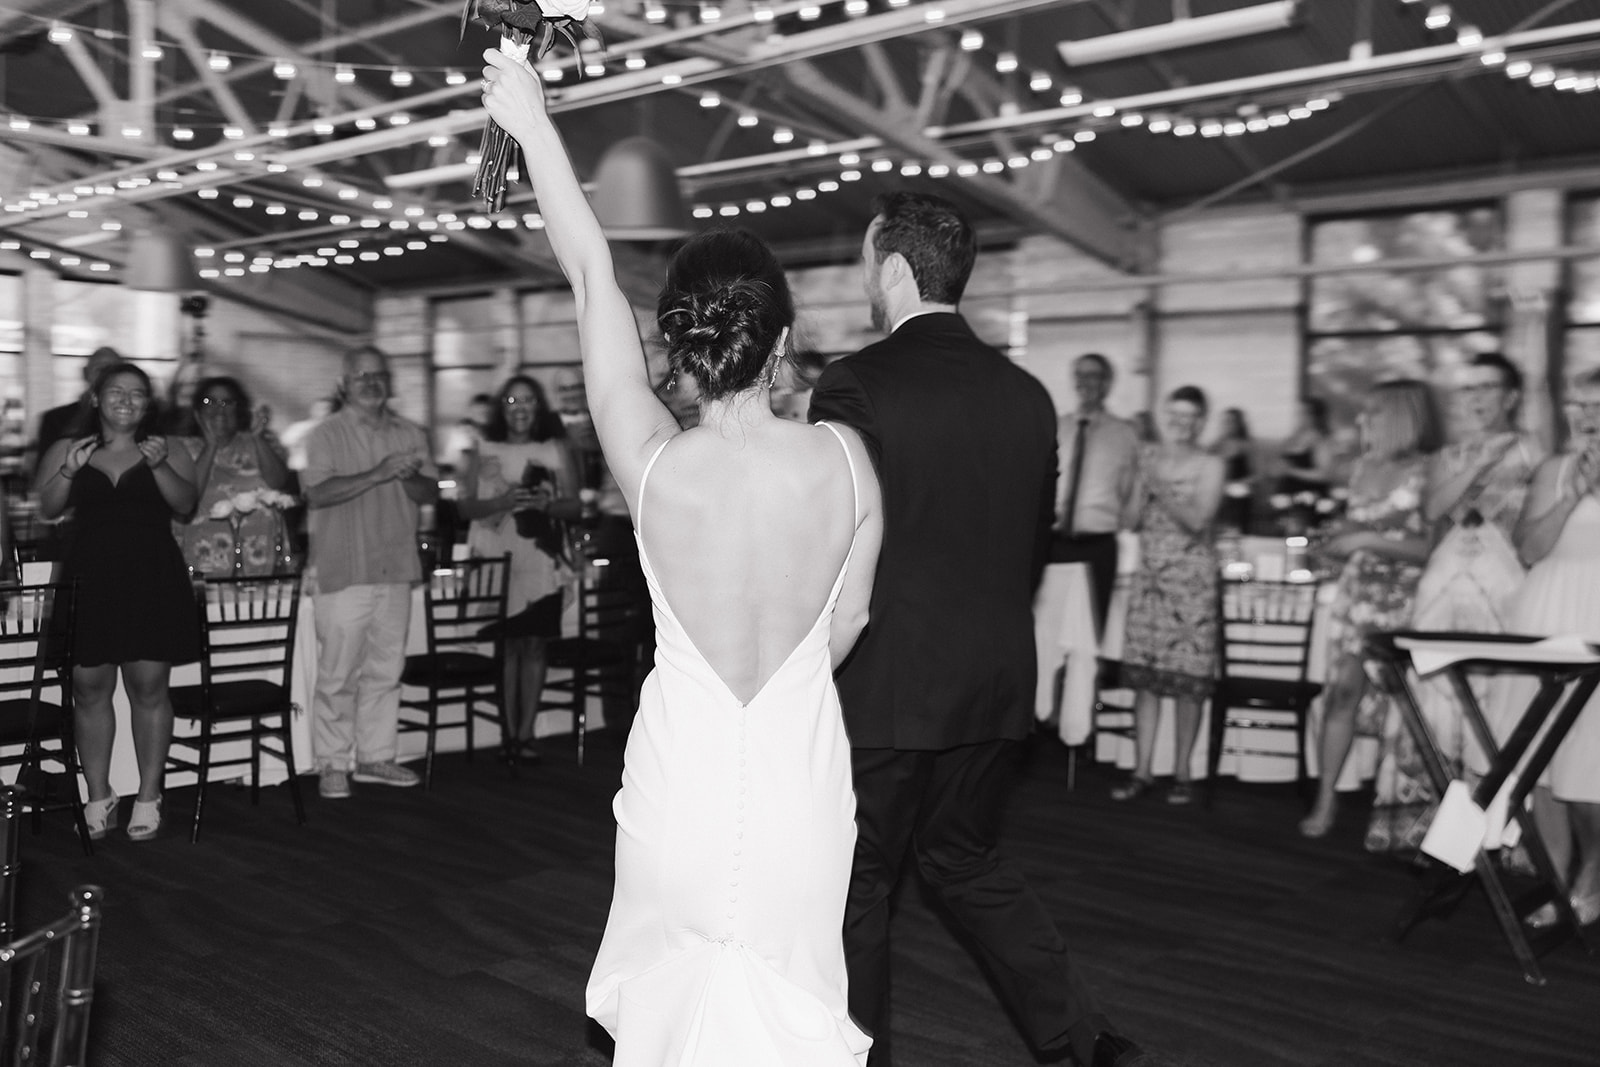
235, 509
1307, 510
525, 26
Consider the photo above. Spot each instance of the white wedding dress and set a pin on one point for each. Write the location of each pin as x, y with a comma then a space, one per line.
735, 830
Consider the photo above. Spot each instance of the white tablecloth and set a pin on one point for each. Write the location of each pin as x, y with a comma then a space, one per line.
124, 766
1065, 638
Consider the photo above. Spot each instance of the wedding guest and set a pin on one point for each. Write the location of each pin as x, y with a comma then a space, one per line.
1382, 543
1308, 456
1099, 456
176, 417
135, 610
1559, 536
368, 470
522, 466
74, 419
1171, 645
231, 456
572, 405
1476, 488
1236, 450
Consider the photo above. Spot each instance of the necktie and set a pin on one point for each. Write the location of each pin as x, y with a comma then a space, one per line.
1069, 509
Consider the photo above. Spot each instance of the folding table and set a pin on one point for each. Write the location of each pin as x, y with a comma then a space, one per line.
1390, 654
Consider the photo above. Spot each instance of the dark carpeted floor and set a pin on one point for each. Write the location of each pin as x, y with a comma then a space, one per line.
458, 926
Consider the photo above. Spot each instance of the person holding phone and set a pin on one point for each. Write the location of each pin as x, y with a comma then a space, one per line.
135, 610
513, 478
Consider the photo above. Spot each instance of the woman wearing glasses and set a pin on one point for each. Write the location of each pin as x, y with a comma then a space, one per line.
135, 612
232, 455
522, 466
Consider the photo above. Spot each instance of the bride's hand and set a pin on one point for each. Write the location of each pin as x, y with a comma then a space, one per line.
512, 92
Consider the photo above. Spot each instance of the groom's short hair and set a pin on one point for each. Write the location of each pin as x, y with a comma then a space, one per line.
934, 237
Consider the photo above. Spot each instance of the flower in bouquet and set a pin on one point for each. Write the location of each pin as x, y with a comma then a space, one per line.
526, 27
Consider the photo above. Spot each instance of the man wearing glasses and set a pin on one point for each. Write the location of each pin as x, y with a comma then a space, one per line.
367, 472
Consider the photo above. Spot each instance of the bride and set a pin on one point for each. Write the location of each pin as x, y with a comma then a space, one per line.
759, 538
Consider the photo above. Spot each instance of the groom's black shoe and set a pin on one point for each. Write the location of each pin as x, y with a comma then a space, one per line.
1111, 1049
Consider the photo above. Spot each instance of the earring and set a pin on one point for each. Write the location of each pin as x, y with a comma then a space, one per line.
772, 376
672, 382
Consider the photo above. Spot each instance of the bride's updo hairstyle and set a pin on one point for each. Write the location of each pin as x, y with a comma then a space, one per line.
724, 307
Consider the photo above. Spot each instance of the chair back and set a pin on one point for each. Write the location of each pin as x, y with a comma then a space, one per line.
462, 597
1265, 628
68, 947
247, 628
35, 639
10, 851
612, 612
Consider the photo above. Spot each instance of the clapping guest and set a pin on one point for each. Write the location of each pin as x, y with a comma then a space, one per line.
1235, 448
1382, 544
1171, 645
231, 456
1559, 536
1476, 487
135, 611
522, 466
368, 472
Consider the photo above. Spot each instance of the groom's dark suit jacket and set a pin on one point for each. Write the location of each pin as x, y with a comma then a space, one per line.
965, 446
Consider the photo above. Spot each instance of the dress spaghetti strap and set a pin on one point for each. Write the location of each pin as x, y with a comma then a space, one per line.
855, 488
638, 520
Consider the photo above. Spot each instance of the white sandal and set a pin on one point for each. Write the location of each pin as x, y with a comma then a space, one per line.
100, 816
145, 820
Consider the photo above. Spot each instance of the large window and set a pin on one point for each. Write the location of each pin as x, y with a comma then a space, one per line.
1583, 283
1375, 323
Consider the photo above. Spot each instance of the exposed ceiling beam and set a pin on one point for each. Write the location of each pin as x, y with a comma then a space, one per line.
19, 18
1081, 210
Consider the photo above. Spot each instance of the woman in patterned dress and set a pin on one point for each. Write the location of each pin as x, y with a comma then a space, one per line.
232, 455
1171, 648
1476, 487
1384, 543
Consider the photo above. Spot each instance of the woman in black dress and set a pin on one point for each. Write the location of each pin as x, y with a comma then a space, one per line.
1235, 448
135, 608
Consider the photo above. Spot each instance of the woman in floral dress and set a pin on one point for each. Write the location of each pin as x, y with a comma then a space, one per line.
1171, 648
1475, 492
1383, 542
232, 456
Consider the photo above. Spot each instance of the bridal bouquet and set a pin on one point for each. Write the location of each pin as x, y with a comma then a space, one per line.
239, 505
525, 26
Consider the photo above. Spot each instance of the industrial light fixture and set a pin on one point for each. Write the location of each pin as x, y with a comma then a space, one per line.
636, 195
159, 261
1180, 33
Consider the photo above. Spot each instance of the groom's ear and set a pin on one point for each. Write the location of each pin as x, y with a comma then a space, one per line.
894, 268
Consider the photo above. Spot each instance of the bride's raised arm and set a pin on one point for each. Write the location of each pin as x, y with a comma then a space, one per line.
629, 418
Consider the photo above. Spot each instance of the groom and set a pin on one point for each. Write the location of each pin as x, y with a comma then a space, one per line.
939, 691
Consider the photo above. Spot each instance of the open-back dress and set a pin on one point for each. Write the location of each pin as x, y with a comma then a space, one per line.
735, 829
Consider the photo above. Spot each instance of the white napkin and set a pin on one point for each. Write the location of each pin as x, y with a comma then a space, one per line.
1428, 655
1460, 829
1456, 834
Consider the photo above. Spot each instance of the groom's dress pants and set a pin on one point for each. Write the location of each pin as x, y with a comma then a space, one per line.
943, 808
